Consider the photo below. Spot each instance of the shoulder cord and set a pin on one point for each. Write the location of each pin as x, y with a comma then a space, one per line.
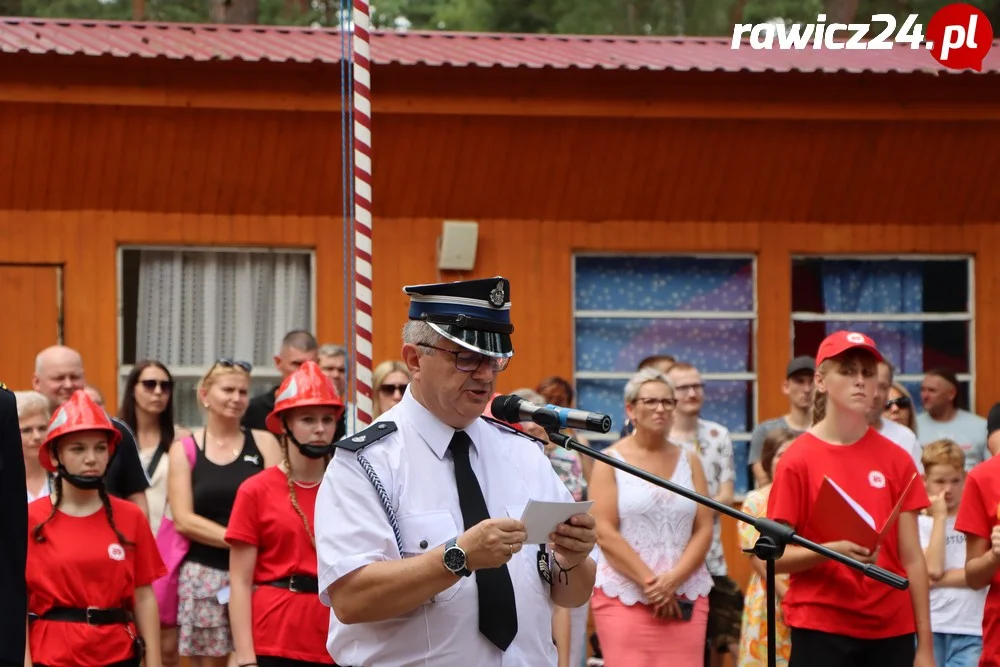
390, 513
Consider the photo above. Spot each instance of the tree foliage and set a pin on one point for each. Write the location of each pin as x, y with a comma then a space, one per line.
595, 17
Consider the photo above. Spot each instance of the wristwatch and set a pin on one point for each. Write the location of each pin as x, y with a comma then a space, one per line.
454, 558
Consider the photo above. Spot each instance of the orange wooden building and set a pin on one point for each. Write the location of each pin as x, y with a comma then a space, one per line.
128, 149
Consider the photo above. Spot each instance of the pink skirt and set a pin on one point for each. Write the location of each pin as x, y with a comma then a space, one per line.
631, 636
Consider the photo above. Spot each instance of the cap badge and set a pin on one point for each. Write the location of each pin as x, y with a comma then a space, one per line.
855, 338
497, 297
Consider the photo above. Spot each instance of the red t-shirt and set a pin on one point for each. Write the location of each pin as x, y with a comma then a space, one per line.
831, 597
285, 624
81, 564
977, 515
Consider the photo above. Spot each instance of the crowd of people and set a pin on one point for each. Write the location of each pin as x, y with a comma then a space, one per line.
282, 532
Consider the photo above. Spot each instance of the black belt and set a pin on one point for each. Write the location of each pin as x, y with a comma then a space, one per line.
297, 583
90, 616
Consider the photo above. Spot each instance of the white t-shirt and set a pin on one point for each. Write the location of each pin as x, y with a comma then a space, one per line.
906, 439
954, 611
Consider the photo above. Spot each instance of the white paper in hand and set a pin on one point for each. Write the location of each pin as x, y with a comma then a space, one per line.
223, 595
541, 518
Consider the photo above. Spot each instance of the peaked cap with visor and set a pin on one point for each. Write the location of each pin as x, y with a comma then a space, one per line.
472, 313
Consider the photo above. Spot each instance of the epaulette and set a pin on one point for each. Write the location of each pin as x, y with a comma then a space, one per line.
3, 387
504, 426
372, 434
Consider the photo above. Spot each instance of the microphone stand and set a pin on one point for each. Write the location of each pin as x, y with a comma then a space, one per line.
770, 546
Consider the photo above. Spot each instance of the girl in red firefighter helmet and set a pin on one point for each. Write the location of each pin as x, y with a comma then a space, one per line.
91, 558
275, 613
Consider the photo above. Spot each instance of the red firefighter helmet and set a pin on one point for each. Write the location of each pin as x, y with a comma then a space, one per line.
79, 413
306, 387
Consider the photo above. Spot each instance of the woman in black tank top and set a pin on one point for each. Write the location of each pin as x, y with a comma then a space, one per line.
201, 499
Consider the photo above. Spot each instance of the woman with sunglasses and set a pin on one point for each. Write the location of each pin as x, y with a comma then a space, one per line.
275, 610
148, 409
201, 500
899, 407
389, 382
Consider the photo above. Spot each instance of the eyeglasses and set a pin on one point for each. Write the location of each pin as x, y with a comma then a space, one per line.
695, 388
667, 404
391, 389
234, 363
468, 361
151, 385
902, 403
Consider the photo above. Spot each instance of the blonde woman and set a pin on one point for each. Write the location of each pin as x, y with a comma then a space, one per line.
33, 416
389, 382
899, 407
201, 500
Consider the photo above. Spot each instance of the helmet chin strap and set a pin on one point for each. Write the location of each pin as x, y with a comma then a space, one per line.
308, 451
79, 481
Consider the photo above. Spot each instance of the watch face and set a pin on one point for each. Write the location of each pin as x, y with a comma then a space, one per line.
454, 559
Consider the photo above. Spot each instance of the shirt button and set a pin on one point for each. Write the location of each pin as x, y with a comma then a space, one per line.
423, 544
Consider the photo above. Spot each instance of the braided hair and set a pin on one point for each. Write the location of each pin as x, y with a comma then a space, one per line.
291, 489
57, 483
106, 502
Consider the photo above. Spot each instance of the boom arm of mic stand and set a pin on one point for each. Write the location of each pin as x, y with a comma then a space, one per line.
777, 533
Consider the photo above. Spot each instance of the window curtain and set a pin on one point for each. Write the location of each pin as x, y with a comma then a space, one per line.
873, 287
196, 307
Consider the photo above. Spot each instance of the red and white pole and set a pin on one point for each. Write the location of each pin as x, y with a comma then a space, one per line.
362, 212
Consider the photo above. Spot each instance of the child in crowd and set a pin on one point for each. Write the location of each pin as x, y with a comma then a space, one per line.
956, 610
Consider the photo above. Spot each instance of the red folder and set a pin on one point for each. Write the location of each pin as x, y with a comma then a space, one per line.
837, 516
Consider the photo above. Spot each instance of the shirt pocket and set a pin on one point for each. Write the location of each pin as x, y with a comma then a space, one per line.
425, 531
524, 564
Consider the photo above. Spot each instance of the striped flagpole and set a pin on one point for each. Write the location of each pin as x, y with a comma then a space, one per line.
362, 211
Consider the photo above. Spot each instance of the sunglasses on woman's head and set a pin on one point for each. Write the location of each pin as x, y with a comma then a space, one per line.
151, 385
390, 389
902, 403
234, 363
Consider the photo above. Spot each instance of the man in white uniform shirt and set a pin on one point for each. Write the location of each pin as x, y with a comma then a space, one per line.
420, 548
894, 431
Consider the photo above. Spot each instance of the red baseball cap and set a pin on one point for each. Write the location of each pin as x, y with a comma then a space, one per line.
842, 341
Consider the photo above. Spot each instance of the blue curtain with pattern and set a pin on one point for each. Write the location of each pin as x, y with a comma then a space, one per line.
878, 287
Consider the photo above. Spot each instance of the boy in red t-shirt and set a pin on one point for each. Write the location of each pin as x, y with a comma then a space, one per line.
978, 518
274, 607
839, 617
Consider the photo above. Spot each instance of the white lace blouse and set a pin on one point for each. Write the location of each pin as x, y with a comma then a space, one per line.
657, 524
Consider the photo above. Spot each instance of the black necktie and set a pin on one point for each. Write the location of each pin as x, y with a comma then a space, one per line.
497, 609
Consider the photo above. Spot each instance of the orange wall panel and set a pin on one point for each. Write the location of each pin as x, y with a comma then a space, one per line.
31, 295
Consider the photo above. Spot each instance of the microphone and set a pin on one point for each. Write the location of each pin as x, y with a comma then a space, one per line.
512, 408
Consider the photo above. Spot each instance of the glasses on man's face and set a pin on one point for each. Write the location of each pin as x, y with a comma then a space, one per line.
901, 402
151, 385
667, 404
692, 388
234, 363
392, 389
468, 361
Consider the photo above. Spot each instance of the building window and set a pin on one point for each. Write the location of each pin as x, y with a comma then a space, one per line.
188, 307
700, 310
918, 310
